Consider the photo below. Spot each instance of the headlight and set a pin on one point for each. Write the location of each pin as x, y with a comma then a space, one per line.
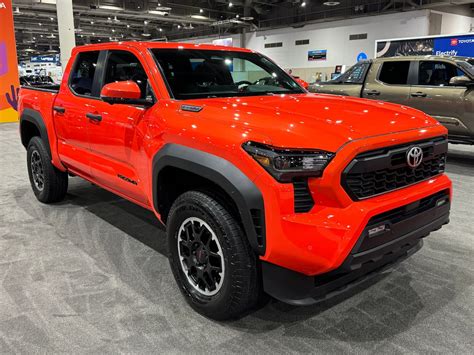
286, 164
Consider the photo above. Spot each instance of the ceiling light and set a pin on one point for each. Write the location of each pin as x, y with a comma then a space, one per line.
109, 18
179, 26
110, 7
146, 34
145, 22
51, 18
331, 3
113, 30
237, 15
201, 11
92, 22
303, 4
156, 12
230, 4
128, 26
163, 8
160, 29
247, 18
199, 17
40, 24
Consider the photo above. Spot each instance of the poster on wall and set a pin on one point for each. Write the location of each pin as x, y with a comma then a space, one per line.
319, 54
9, 84
460, 45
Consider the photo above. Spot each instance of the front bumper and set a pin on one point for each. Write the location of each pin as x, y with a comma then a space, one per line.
387, 238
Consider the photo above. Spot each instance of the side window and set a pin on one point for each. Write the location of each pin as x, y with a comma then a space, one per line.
82, 75
123, 66
395, 73
433, 73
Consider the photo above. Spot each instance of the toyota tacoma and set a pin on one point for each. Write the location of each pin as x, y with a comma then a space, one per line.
263, 187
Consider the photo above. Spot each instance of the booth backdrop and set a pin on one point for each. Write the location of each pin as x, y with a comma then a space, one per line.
9, 83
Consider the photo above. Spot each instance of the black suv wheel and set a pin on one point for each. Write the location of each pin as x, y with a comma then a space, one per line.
48, 183
211, 258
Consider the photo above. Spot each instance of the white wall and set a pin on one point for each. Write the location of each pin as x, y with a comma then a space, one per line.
453, 23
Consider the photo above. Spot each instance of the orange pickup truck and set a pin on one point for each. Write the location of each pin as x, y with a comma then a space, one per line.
263, 187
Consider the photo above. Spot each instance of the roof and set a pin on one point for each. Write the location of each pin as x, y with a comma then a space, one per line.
169, 45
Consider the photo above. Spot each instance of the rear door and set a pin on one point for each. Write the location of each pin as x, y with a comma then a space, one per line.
389, 81
431, 93
116, 135
77, 96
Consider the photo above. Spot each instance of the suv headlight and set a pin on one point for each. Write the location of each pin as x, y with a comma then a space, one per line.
286, 164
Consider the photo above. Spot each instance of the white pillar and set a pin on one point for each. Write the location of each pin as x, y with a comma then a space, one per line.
67, 39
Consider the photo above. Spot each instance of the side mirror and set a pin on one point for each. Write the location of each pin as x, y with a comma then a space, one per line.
461, 80
123, 92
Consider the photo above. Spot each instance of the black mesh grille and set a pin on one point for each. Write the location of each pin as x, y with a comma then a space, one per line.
377, 172
303, 199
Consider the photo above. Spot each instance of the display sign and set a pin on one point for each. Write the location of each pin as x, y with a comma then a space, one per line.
223, 42
319, 54
361, 56
9, 84
45, 58
457, 45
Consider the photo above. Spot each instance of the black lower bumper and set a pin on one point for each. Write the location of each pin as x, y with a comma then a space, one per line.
388, 238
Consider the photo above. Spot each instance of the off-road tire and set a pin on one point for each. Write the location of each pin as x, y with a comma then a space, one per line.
241, 288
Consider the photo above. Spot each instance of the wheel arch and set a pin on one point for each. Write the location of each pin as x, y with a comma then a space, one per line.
244, 194
31, 125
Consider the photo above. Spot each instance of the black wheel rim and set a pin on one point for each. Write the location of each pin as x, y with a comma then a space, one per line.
37, 171
201, 257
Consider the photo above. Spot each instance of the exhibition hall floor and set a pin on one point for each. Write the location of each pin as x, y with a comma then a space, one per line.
90, 275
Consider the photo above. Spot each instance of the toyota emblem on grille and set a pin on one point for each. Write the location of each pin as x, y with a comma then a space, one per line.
414, 157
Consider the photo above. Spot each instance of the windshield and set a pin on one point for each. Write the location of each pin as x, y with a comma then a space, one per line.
468, 67
196, 73
354, 75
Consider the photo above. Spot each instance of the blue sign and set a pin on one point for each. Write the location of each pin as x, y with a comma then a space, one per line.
361, 56
462, 46
45, 58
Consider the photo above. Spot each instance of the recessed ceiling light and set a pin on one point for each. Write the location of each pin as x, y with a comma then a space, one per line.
145, 22
92, 22
303, 4
199, 17
113, 30
331, 3
128, 26
231, 4
109, 7
201, 11
51, 18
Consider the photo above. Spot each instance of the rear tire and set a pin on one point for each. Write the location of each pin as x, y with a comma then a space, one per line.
48, 183
210, 257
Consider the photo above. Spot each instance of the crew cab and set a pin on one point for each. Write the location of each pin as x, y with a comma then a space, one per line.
263, 187
443, 87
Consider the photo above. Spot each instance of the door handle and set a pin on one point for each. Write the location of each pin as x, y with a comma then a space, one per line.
59, 109
418, 94
94, 117
373, 93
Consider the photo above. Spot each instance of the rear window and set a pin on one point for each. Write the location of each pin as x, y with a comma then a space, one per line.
395, 73
82, 75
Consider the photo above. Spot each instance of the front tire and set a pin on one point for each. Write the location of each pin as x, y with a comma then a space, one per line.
48, 183
211, 258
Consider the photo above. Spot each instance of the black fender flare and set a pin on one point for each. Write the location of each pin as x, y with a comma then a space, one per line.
245, 194
34, 117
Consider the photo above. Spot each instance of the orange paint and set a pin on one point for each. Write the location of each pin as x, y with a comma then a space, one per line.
9, 83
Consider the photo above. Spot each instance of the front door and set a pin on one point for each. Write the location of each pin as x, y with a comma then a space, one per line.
116, 133
433, 95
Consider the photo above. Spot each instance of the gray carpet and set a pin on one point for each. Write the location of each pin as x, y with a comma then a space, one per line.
90, 275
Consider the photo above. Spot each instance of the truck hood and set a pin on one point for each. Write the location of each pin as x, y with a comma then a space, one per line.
310, 120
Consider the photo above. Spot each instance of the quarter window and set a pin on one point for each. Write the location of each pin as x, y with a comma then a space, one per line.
433, 73
82, 76
395, 73
123, 66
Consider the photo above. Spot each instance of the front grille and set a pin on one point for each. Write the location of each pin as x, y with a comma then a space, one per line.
380, 171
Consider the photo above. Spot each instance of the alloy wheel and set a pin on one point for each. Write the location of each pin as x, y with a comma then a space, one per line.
201, 257
37, 170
